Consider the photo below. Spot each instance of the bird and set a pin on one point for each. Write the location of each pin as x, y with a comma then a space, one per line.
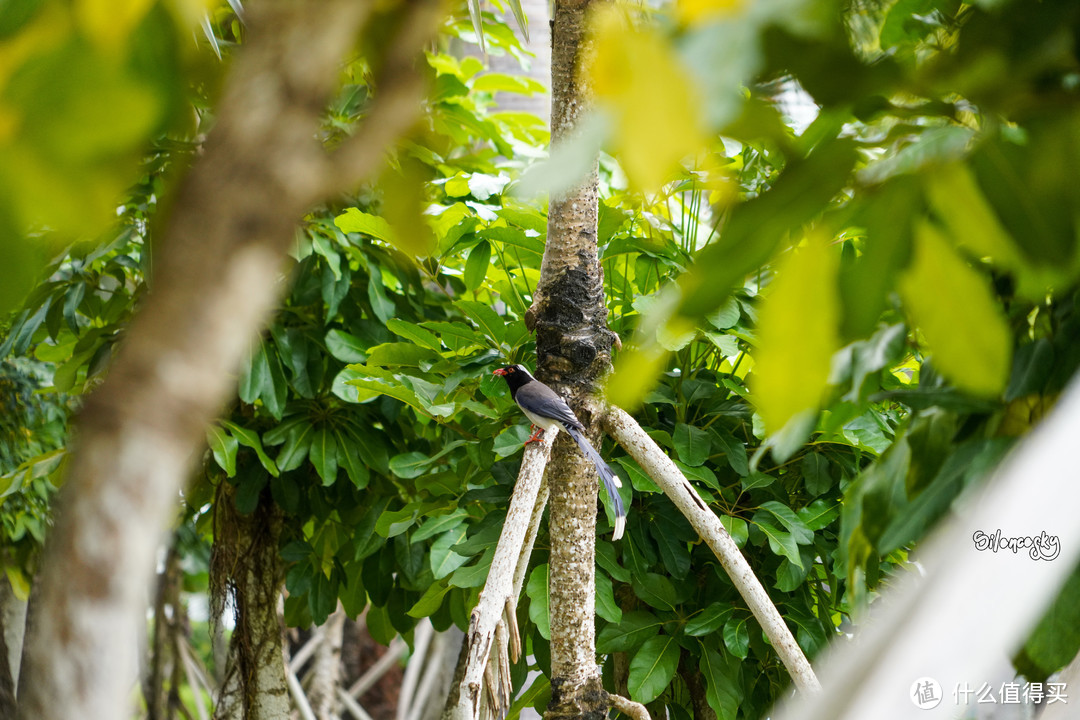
545, 410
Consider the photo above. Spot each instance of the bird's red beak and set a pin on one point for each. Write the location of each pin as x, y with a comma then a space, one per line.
498, 371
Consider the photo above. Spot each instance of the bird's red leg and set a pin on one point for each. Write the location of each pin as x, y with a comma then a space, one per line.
535, 437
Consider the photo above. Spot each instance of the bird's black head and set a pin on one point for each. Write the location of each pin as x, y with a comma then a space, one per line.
514, 375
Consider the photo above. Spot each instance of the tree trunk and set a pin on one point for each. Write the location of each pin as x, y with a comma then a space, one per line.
246, 547
215, 281
573, 344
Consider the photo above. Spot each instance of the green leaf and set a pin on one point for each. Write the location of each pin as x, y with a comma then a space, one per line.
636, 627
440, 524
537, 590
756, 480
736, 528
459, 337
444, 560
815, 471
498, 82
345, 347
254, 376
733, 450
656, 590
296, 447
402, 355
223, 446
409, 465
652, 668
472, 576
787, 517
250, 438
955, 308
381, 305
276, 389
722, 690
324, 455
605, 600
789, 576
510, 440
430, 601
737, 636
358, 221
485, 318
818, 514
353, 597
780, 541
348, 457
414, 333
476, 266
708, 620
692, 444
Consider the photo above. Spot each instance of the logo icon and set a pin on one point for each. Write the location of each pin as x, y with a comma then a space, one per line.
925, 693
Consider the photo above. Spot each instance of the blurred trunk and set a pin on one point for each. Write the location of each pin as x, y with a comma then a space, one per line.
216, 279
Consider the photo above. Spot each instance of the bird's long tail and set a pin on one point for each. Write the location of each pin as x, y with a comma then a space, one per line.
611, 481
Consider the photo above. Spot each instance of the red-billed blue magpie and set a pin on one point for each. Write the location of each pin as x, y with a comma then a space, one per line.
545, 409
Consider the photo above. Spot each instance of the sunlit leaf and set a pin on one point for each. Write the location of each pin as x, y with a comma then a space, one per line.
954, 307
631, 63
798, 335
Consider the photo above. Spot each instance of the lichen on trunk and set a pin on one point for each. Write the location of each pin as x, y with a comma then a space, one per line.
246, 570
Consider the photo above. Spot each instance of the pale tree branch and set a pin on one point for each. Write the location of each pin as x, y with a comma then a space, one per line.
628, 707
967, 611
663, 471
502, 582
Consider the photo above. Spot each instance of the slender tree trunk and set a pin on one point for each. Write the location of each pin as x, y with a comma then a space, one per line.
255, 687
569, 317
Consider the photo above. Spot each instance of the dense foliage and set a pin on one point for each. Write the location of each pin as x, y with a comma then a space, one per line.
834, 331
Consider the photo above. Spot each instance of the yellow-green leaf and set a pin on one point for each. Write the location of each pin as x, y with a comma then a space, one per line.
630, 64
954, 307
797, 335
957, 199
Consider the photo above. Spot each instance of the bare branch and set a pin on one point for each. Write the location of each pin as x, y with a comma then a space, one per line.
389, 659
628, 707
352, 706
660, 468
501, 583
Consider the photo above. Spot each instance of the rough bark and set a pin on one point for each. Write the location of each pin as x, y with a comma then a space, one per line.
573, 344
215, 281
255, 683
